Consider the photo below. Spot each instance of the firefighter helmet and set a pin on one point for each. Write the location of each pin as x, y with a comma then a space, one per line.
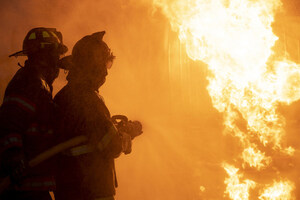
42, 39
91, 51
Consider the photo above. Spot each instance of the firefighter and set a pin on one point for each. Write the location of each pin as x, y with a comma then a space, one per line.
27, 116
87, 172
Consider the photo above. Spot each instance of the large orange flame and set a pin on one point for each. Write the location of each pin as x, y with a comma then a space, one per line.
248, 81
236, 189
280, 190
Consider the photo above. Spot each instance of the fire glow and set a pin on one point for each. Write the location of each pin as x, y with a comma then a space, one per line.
248, 80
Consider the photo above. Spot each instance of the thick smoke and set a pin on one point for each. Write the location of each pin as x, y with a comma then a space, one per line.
152, 80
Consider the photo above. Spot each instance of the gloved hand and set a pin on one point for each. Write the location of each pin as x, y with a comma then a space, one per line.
133, 128
18, 171
126, 143
14, 164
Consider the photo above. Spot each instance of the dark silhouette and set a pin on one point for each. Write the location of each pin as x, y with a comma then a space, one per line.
27, 116
87, 172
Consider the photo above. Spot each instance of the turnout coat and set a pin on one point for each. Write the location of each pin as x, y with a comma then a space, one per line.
26, 127
86, 171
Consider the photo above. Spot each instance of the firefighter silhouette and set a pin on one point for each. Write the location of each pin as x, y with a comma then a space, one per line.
26, 117
87, 171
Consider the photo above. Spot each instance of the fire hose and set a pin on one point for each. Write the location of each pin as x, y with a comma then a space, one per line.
5, 182
120, 121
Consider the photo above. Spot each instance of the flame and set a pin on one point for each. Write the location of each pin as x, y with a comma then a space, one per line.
255, 158
248, 81
236, 189
280, 190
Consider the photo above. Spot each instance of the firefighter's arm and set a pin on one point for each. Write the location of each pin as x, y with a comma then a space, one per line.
103, 134
125, 131
15, 115
17, 112
113, 143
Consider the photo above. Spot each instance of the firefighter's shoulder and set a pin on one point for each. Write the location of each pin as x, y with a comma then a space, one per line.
26, 81
25, 90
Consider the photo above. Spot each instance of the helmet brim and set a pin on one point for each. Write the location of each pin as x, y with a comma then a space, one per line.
19, 53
